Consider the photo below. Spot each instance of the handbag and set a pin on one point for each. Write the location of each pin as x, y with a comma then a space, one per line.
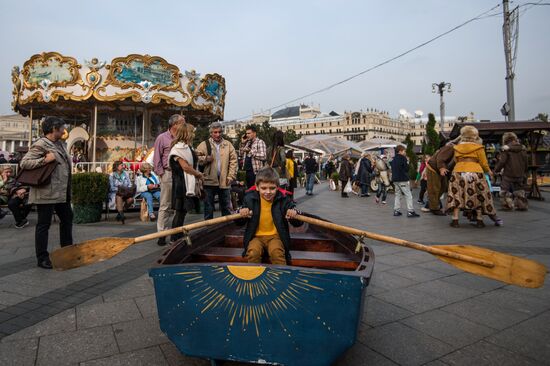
37, 177
126, 192
143, 212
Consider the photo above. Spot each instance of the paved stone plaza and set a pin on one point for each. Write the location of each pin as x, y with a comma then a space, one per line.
418, 310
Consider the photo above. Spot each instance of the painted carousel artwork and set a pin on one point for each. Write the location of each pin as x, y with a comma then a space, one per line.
123, 105
212, 304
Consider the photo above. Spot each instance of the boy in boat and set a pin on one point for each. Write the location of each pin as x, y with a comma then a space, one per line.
268, 208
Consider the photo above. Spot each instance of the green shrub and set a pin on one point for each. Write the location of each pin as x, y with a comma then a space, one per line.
89, 188
335, 177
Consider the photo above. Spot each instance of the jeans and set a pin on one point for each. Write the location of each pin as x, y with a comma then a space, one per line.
365, 188
382, 191
310, 181
45, 213
403, 188
224, 196
148, 197
423, 187
19, 208
250, 178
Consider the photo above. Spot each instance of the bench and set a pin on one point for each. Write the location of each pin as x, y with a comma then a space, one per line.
327, 260
300, 241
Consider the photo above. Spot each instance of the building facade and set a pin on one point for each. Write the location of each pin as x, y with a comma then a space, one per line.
354, 126
14, 132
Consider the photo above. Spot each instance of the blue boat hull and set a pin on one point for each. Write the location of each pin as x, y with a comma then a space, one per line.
260, 314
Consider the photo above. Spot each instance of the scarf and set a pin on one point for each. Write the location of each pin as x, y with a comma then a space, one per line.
183, 151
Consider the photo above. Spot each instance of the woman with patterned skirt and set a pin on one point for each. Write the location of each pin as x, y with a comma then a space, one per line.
468, 188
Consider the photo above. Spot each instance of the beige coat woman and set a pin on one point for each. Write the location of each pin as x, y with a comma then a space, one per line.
58, 190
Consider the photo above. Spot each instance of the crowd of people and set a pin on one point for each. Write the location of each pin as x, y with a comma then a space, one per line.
180, 175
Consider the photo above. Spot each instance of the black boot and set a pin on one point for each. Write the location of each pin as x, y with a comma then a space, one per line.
454, 223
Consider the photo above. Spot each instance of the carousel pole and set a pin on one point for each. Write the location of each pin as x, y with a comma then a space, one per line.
30, 129
95, 137
143, 128
135, 133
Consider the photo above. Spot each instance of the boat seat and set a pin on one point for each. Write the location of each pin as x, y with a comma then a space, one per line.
300, 241
299, 258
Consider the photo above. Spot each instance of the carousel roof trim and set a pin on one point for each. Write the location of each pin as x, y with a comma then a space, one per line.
51, 81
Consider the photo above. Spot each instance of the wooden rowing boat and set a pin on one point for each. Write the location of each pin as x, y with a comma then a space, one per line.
212, 304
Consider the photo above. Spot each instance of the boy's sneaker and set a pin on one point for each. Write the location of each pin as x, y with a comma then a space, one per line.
397, 213
412, 214
22, 224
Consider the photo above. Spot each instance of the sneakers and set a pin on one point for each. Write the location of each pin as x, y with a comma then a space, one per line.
499, 222
152, 217
383, 202
412, 214
22, 224
425, 209
397, 213
377, 199
421, 202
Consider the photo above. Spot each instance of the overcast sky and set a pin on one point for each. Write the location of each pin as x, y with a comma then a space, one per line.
272, 52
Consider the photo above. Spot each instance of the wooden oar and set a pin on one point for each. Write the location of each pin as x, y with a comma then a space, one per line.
96, 250
480, 261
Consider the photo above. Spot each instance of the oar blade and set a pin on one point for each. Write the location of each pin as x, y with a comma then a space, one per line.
91, 251
507, 268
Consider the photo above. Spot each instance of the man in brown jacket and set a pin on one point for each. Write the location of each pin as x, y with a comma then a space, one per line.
513, 162
438, 166
219, 160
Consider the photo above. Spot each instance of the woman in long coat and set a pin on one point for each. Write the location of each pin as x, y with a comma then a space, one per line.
364, 175
468, 187
345, 173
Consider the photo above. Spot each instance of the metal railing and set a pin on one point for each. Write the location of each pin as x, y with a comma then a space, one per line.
100, 167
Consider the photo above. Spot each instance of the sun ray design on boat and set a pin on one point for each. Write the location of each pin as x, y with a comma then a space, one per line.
250, 295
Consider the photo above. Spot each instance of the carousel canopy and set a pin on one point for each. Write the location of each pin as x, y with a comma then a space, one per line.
52, 83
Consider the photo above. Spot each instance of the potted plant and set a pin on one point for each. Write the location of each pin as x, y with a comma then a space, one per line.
89, 192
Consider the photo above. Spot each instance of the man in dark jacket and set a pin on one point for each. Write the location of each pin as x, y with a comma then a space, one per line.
513, 162
267, 208
400, 177
345, 173
311, 167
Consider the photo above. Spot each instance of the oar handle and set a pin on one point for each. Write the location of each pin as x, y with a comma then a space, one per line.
397, 241
189, 227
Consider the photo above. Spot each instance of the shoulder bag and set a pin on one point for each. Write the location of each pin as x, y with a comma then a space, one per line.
37, 177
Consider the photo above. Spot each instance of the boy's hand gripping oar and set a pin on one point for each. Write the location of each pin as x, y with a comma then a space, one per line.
480, 261
96, 250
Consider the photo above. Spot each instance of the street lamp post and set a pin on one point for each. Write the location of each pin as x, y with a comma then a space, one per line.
441, 88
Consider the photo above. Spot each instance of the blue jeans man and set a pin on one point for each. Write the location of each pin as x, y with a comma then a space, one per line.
148, 197
310, 181
224, 197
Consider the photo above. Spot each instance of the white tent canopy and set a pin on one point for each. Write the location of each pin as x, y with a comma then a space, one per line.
336, 145
379, 143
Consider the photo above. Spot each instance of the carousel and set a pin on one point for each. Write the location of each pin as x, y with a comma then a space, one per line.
115, 110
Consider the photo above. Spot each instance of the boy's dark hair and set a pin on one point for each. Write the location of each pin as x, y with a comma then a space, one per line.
251, 128
52, 123
399, 148
267, 175
290, 154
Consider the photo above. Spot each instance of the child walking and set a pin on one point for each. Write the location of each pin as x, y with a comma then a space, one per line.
267, 208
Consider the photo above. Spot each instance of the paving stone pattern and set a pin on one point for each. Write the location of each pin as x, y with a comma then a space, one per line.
419, 311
